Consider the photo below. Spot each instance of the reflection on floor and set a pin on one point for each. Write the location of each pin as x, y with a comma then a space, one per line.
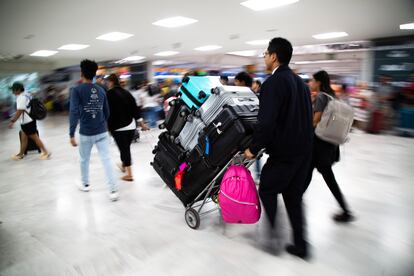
50, 228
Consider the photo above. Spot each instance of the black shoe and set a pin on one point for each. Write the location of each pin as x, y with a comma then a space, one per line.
301, 252
343, 217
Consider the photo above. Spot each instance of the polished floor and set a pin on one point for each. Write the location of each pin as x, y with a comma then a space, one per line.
48, 227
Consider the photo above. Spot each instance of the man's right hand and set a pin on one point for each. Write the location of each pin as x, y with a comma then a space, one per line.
73, 142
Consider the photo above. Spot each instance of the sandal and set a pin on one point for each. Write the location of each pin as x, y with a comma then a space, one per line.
127, 178
17, 157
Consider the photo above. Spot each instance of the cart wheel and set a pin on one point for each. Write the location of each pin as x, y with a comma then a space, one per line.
192, 218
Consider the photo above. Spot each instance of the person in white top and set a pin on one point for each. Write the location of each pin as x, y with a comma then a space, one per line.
28, 125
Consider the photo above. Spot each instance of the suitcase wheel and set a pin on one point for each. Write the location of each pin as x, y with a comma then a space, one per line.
215, 91
161, 126
172, 103
172, 137
177, 140
183, 113
192, 218
190, 118
197, 113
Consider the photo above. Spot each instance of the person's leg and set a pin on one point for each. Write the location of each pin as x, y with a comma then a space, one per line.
24, 140
268, 194
39, 143
118, 141
85, 147
294, 207
330, 180
309, 175
129, 136
102, 143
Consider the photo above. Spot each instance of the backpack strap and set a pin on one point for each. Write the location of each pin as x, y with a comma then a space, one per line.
329, 96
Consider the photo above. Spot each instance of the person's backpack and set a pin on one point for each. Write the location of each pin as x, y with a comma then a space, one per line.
37, 109
238, 198
336, 122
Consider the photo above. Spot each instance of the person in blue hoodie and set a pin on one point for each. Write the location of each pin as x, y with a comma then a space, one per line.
89, 107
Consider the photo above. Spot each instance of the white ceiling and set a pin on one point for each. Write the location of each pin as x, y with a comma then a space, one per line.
54, 23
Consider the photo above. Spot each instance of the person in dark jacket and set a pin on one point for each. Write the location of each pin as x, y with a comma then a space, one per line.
284, 129
324, 153
122, 122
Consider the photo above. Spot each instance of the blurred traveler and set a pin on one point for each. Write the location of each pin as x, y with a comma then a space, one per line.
256, 87
100, 81
243, 79
151, 104
122, 122
224, 80
89, 106
285, 131
27, 124
326, 154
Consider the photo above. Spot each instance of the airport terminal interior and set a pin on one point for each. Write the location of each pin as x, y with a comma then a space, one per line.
153, 221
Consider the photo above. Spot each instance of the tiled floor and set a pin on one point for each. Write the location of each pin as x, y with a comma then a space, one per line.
50, 228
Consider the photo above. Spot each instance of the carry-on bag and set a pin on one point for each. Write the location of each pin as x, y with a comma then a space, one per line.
238, 197
188, 136
176, 117
194, 91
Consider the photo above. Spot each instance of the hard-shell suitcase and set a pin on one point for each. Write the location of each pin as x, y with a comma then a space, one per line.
222, 138
31, 145
167, 159
196, 178
176, 117
188, 136
247, 114
225, 95
194, 91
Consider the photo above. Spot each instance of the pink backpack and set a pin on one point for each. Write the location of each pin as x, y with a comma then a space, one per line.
238, 196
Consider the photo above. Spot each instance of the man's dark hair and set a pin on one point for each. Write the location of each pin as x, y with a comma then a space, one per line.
282, 48
88, 68
259, 83
17, 86
243, 76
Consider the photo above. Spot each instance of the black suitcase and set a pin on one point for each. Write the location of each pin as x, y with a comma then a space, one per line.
176, 117
197, 177
248, 115
222, 138
31, 145
168, 157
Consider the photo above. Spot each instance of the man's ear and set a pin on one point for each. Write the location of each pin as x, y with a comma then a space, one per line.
274, 57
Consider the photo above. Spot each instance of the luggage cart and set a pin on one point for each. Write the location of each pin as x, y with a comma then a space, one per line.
193, 210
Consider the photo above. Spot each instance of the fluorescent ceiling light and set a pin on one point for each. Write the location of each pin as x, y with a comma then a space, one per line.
166, 53
173, 22
208, 48
133, 58
73, 47
330, 35
114, 36
408, 26
44, 53
319, 61
247, 53
259, 5
258, 42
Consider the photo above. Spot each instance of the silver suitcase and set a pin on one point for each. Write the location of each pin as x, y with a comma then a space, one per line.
188, 137
225, 95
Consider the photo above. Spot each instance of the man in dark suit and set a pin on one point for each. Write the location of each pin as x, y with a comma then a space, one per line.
285, 130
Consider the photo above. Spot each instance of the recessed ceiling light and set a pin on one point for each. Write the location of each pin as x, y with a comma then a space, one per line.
114, 36
330, 35
408, 26
247, 53
44, 53
173, 22
73, 47
208, 48
258, 42
133, 58
259, 5
166, 53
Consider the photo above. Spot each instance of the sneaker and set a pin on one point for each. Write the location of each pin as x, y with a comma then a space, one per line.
343, 217
45, 156
84, 188
17, 157
113, 196
297, 251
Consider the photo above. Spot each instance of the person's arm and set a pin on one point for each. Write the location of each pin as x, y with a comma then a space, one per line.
73, 115
270, 102
316, 118
106, 108
16, 116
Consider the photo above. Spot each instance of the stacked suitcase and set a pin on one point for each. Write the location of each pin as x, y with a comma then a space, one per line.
205, 126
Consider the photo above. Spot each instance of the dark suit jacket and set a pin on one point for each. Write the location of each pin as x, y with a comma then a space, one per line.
285, 116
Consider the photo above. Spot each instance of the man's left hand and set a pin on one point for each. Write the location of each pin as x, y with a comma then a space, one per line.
248, 154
